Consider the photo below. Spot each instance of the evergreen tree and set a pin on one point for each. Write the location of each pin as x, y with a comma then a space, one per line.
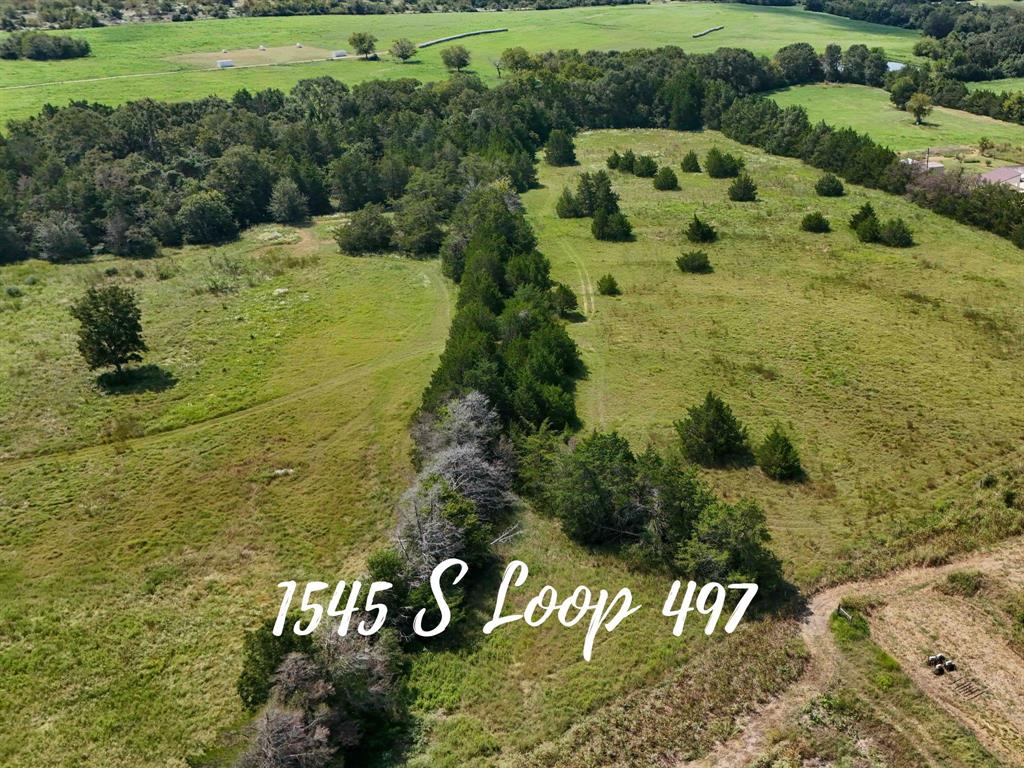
699, 231
367, 231
743, 189
711, 435
607, 285
568, 206
829, 185
645, 167
778, 458
721, 165
665, 179
690, 162
626, 161
559, 149
287, 203
815, 222
696, 262
896, 234
613, 160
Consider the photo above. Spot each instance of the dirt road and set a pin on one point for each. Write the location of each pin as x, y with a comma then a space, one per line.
915, 621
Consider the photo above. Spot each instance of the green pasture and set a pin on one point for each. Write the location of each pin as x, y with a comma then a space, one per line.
135, 61
869, 110
897, 372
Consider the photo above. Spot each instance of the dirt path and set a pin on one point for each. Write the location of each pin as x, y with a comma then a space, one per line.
909, 626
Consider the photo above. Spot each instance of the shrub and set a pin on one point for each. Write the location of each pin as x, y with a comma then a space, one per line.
665, 179
711, 436
14, 292
612, 227
778, 458
690, 162
204, 217
867, 230
287, 203
110, 327
862, 213
627, 160
896, 234
564, 299
613, 160
645, 167
559, 150
57, 238
403, 49
368, 231
722, 165
815, 222
829, 185
608, 286
568, 207
696, 262
700, 231
743, 189
963, 583
262, 652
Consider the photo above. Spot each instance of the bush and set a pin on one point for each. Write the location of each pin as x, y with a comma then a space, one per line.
262, 652
608, 286
627, 161
862, 213
564, 299
568, 207
57, 238
829, 185
711, 436
612, 227
696, 262
778, 458
559, 150
815, 222
665, 179
690, 162
645, 167
368, 231
721, 165
896, 234
867, 230
743, 189
204, 217
700, 231
287, 203
42, 47
613, 160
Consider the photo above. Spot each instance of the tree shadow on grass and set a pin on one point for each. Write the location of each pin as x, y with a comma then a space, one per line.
134, 381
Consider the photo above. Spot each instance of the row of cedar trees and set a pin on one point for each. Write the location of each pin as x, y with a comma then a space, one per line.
495, 425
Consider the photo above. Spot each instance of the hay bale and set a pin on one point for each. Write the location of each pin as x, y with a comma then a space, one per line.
933, 660
950, 665
939, 669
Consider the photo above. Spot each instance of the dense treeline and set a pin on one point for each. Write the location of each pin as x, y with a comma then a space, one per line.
970, 42
42, 47
131, 178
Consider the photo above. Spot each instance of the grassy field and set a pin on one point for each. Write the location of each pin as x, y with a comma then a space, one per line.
869, 110
129, 570
897, 372
152, 60
1006, 84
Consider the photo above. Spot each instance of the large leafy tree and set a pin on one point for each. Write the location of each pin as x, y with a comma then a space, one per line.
110, 330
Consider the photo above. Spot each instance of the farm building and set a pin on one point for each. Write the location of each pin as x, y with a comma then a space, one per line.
1011, 176
225, 63
339, 54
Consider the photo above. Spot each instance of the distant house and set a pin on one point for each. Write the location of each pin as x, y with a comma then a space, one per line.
1011, 176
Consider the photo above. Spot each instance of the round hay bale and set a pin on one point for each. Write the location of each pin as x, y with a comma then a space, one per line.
939, 658
298, 45
933, 660
950, 665
939, 669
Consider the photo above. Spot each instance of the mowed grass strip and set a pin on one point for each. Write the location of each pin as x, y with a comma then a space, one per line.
868, 110
150, 55
128, 572
897, 372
